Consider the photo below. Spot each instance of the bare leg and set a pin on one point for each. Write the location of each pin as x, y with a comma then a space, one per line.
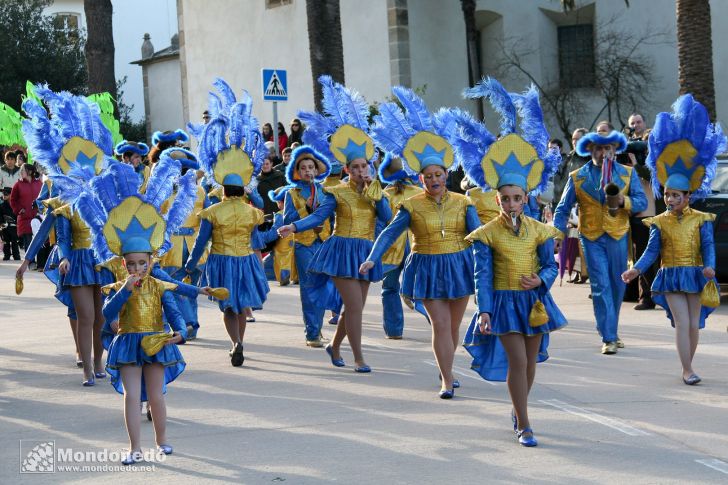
695, 309
83, 301
442, 343
131, 378
74, 331
353, 292
242, 323
522, 356
154, 380
457, 310
339, 336
98, 325
680, 310
232, 326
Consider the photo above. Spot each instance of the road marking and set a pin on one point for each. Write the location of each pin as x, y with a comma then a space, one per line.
715, 464
461, 372
597, 418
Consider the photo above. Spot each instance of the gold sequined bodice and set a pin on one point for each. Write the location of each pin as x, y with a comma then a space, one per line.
233, 221
142, 312
438, 228
514, 255
307, 237
116, 266
174, 257
80, 233
355, 213
395, 254
594, 218
51, 205
680, 237
485, 203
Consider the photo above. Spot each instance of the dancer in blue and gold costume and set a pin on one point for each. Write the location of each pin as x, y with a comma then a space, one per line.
284, 266
603, 224
514, 254
400, 187
231, 151
142, 358
439, 271
73, 140
305, 173
133, 153
683, 145
357, 205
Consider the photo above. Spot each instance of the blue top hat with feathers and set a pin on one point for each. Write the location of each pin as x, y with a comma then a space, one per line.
177, 136
131, 147
615, 138
279, 194
521, 159
305, 152
682, 149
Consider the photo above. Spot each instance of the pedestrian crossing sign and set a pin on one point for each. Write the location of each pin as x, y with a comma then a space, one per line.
275, 85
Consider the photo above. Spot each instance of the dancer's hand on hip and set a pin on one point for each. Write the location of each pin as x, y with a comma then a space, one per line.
484, 324
709, 272
530, 282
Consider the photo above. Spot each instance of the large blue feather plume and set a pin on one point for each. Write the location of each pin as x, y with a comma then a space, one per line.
416, 111
499, 99
181, 207
161, 181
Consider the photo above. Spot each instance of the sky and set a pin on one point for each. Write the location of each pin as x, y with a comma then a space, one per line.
132, 19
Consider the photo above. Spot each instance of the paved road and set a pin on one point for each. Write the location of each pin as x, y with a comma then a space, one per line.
288, 415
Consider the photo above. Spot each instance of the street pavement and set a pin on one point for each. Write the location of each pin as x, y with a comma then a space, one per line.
289, 416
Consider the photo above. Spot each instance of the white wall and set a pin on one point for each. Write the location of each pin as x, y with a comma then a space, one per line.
165, 94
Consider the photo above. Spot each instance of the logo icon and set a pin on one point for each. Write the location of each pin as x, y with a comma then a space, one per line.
37, 456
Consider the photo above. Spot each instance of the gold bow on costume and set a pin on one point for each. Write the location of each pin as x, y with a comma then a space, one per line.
152, 344
538, 315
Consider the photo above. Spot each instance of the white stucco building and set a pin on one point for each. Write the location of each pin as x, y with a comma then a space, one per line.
421, 43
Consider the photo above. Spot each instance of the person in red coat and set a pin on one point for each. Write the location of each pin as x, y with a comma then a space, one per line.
22, 201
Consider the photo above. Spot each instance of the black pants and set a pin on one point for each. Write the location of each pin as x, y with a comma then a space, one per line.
640, 288
25, 240
10, 239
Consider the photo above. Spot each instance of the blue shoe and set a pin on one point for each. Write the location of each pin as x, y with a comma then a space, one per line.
164, 449
515, 420
100, 375
455, 384
334, 320
132, 457
526, 438
88, 382
191, 333
336, 362
363, 369
447, 394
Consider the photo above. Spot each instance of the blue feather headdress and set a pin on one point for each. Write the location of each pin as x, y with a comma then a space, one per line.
121, 219
341, 132
131, 147
414, 134
279, 194
231, 149
682, 149
71, 138
391, 170
174, 137
184, 157
522, 159
305, 152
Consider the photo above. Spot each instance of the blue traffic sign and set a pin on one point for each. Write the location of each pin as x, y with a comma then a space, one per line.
275, 85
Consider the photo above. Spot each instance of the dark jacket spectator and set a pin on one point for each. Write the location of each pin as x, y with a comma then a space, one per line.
22, 199
9, 173
296, 132
267, 132
269, 179
9, 233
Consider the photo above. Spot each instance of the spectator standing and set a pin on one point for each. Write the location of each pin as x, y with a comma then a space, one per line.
269, 180
286, 155
572, 161
267, 132
282, 137
22, 201
9, 173
9, 231
296, 132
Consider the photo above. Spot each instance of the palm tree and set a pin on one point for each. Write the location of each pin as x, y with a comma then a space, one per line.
695, 52
473, 42
100, 47
324, 42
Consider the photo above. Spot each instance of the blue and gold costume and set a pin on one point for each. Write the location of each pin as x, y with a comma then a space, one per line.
342, 135
283, 264
231, 151
504, 252
683, 145
485, 203
604, 236
302, 199
440, 266
141, 149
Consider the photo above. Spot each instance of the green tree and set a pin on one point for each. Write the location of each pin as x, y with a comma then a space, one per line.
34, 49
325, 44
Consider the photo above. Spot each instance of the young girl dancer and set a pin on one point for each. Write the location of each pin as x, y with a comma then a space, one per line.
683, 145
514, 254
439, 270
231, 151
75, 142
142, 358
305, 172
356, 205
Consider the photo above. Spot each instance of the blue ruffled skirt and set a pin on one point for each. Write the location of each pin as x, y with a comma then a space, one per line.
341, 257
126, 349
50, 270
83, 269
511, 309
438, 276
243, 276
683, 279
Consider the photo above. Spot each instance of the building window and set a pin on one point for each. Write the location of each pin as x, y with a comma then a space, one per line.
277, 3
576, 56
66, 21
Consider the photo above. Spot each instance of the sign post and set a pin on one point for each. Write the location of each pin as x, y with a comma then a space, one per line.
275, 88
